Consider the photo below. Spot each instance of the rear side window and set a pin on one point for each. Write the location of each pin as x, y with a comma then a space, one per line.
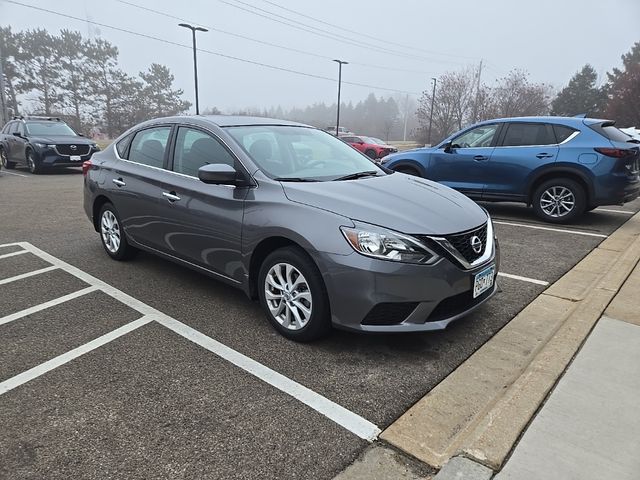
7, 127
10, 128
525, 134
562, 132
148, 146
607, 130
122, 145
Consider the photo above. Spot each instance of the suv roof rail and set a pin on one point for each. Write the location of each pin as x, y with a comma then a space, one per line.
17, 117
39, 117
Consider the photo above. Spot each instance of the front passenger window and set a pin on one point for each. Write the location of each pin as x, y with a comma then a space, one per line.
478, 137
149, 145
195, 148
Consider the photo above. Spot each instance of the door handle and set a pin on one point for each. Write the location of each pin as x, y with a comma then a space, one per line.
480, 157
119, 182
544, 155
171, 196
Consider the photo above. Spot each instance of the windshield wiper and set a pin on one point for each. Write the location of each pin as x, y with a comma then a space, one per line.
353, 176
295, 179
633, 140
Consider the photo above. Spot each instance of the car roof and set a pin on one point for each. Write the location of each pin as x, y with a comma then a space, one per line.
550, 119
231, 120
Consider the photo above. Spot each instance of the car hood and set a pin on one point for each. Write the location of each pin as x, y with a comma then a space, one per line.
61, 139
397, 201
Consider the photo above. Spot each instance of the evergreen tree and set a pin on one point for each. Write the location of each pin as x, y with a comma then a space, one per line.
581, 95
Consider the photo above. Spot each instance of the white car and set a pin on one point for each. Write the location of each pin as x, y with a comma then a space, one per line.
341, 131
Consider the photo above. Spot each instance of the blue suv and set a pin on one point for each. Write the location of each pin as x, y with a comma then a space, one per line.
561, 166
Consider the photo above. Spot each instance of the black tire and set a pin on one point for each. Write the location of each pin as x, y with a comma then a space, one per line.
32, 163
123, 251
371, 154
567, 189
408, 171
319, 322
5, 160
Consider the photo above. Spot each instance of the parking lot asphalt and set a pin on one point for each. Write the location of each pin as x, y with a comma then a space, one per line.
152, 404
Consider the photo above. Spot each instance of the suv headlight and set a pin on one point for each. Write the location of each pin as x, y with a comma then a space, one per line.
43, 145
386, 244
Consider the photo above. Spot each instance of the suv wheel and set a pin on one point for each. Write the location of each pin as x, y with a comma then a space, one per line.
293, 295
32, 163
371, 154
408, 171
5, 160
559, 200
112, 236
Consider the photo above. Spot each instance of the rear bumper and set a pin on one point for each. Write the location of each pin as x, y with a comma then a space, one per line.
625, 191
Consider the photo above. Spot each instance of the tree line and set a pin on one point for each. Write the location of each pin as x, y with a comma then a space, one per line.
461, 99
79, 80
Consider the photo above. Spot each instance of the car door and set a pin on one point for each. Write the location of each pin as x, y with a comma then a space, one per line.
9, 139
463, 165
135, 185
203, 224
522, 148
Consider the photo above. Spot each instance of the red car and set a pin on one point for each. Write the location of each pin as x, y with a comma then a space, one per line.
372, 147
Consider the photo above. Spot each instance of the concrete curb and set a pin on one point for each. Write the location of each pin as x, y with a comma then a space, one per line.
481, 408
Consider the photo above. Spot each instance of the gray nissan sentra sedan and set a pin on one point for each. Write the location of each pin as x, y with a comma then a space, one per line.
297, 218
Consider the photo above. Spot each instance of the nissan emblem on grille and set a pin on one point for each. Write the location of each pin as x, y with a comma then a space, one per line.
476, 244
73, 147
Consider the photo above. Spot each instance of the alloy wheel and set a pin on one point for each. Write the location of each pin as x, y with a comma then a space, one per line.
557, 201
288, 296
110, 231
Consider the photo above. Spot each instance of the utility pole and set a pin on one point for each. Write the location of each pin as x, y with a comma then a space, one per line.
475, 104
195, 59
406, 117
3, 100
340, 63
433, 97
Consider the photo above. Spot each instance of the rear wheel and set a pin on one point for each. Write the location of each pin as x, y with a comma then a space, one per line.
4, 159
112, 235
559, 200
293, 295
32, 162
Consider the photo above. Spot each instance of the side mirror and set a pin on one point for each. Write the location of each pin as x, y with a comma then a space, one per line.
218, 174
17, 134
447, 147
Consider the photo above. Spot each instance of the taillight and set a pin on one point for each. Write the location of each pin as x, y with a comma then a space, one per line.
616, 152
85, 167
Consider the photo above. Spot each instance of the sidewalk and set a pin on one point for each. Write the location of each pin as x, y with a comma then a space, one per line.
589, 428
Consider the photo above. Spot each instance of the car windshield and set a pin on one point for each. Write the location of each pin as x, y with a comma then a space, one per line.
49, 128
301, 153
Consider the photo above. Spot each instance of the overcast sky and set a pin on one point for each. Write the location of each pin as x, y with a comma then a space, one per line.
397, 45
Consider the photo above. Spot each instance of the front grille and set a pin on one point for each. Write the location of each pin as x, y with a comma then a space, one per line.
389, 313
66, 149
457, 304
462, 243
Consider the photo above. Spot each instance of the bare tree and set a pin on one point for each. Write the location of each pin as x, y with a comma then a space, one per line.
515, 96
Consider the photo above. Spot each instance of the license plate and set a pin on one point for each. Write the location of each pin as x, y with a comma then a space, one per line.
75, 158
483, 281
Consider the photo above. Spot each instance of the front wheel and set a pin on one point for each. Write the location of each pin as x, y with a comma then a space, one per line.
293, 295
32, 163
371, 154
559, 200
408, 171
112, 236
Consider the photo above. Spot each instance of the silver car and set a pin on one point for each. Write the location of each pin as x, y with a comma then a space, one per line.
297, 219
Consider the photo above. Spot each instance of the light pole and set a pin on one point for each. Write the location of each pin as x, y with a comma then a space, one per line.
433, 97
195, 60
340, 63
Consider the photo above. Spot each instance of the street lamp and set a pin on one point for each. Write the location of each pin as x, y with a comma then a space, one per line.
340, 63
195, 61
433, 97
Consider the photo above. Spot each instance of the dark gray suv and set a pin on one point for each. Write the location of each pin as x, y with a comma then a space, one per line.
294, 217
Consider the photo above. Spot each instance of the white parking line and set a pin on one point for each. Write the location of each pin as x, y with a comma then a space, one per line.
561, 230
624, 212
4, 281
49, 365
45, 305
338, 414
524, 279
13, 173
13, 254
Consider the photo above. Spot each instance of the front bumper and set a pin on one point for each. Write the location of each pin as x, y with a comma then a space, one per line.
434, 295
49, 158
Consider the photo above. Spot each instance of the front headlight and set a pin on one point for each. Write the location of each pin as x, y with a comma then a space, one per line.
43, 145
386, 244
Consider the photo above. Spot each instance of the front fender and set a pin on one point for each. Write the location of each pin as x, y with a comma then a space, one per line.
410, 163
